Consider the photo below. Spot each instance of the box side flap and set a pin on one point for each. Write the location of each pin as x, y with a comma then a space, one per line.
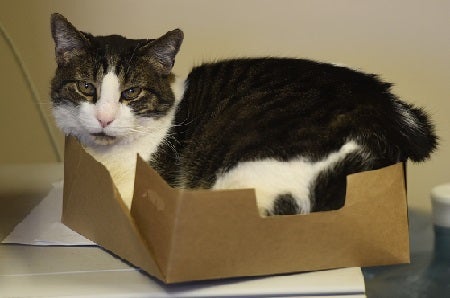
219, 234
93, 208
154, 208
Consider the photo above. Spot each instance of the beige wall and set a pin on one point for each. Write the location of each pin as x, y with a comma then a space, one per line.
406, 42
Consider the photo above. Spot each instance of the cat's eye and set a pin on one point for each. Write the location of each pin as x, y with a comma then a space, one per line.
86, 88
131, 93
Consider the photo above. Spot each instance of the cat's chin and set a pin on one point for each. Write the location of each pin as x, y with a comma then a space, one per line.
103, 139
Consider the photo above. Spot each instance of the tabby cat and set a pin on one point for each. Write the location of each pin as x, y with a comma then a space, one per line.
290, 128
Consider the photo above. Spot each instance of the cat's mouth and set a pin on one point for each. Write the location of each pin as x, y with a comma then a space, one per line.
102, 138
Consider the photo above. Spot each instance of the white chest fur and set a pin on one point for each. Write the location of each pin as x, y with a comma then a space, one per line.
120, 160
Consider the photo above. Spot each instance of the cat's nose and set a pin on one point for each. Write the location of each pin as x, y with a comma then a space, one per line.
106, 113
104, 122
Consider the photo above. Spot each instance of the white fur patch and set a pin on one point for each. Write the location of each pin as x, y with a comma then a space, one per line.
271, 178
107, 107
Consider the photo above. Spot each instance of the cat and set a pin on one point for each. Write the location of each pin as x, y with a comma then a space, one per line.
290, 128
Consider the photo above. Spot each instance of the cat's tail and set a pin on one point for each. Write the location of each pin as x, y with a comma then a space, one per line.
417, 136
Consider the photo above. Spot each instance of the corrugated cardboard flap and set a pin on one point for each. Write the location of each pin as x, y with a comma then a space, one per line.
183, 235
93, 207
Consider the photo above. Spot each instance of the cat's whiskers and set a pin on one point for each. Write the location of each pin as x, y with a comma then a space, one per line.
171, 146
140, 129
131, 58
182, 124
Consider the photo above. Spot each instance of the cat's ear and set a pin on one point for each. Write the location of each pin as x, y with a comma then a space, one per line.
162, 51
68, 40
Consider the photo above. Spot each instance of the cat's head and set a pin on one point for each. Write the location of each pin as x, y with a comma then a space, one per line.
110, 89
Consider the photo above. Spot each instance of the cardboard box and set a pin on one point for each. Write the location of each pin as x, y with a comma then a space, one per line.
180, 235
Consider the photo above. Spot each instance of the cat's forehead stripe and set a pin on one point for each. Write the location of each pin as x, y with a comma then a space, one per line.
110, 87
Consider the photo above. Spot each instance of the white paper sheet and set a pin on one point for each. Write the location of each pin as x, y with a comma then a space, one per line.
43, 225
